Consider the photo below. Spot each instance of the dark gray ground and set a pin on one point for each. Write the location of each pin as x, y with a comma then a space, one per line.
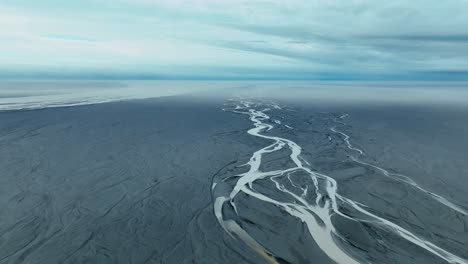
125, 182
129, 182
424, 142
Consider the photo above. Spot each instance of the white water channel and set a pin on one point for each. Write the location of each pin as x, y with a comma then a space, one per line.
317, 215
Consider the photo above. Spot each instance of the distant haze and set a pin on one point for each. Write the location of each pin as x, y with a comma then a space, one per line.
44, 94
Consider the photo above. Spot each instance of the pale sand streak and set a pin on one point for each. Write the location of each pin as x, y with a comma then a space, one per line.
396, 176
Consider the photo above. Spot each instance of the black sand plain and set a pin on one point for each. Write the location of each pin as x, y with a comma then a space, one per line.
130, 182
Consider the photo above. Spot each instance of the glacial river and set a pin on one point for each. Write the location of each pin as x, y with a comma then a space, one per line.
317, 204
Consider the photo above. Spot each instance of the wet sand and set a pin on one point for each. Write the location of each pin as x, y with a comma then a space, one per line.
354, 207
144, 181
124, 182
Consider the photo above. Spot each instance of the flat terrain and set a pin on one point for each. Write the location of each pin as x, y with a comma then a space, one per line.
131, 182
399, 172
125, 182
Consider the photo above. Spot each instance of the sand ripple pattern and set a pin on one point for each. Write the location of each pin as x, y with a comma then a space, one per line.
317, 205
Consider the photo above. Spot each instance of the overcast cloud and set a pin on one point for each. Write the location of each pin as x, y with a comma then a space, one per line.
236, 38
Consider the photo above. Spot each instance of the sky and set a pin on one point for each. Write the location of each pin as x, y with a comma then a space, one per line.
238, 39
